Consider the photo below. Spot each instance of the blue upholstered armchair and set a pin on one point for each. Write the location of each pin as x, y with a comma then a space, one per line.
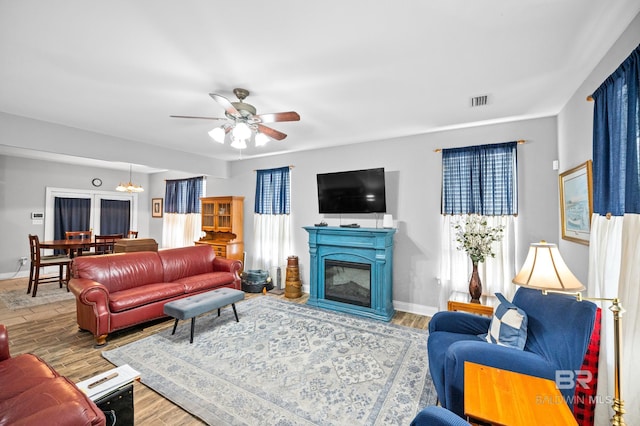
558, 332
437, 416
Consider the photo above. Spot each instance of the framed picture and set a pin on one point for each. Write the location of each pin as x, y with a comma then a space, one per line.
156, 207
576, 203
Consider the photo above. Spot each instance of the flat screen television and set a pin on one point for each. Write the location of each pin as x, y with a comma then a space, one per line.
356, 191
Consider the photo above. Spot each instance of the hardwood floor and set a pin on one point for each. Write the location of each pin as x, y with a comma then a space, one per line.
50, 331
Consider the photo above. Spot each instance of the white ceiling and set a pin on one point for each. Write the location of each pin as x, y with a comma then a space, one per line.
354, 70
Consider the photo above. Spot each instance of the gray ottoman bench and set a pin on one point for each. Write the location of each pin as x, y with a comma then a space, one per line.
192, 306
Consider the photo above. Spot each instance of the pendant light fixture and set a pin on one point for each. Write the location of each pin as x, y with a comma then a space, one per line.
130, 187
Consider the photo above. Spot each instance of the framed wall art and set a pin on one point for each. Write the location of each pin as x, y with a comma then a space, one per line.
576, 203
156, 207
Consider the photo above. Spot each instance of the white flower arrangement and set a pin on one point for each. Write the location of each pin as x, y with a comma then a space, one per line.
476, 237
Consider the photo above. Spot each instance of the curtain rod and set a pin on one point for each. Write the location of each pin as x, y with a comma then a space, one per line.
520, 142
203, 177
291, 167
590, 98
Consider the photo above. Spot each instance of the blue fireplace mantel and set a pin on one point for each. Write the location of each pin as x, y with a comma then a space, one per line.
369, 246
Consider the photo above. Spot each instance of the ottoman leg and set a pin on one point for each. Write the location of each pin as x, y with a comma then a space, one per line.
233, 305
193, 326
175, 324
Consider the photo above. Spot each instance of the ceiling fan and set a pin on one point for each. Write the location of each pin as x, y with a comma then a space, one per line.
243, 122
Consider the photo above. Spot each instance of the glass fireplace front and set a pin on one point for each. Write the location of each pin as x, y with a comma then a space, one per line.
347, 282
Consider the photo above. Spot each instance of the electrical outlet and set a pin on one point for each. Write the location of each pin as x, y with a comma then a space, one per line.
23, 261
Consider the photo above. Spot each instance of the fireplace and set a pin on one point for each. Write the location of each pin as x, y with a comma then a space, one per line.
351, 270
347, 282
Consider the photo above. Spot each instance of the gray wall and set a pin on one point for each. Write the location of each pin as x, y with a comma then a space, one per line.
413, 174
413, 196
22, 190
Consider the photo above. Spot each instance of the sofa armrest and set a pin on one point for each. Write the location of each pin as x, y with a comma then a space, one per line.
227, 265
89, 292
459, 322
92, 306
4, 343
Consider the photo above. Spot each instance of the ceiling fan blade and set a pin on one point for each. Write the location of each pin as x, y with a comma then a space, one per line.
226, 104
279, 116
272, 133
201, 118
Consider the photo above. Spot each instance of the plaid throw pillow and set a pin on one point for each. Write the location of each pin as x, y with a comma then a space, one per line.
508, 326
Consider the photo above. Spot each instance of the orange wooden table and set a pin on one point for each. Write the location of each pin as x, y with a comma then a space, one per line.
503, 397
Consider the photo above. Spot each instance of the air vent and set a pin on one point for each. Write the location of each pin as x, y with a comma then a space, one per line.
477, 101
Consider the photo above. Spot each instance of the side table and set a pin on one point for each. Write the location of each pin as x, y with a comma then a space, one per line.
459, 301
502, 397
112, 392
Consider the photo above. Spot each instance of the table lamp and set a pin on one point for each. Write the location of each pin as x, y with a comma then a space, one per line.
545, 270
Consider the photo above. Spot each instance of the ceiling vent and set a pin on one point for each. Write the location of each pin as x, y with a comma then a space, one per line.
477, 101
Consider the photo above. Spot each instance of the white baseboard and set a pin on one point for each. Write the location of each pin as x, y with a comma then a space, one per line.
413, 308
10, 275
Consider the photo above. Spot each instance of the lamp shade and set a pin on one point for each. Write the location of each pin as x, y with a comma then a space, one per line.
544, 269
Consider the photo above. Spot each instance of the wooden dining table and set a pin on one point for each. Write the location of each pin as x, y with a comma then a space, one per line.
72, 246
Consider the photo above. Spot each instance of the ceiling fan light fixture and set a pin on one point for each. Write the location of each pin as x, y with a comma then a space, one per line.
217, 134
238, 143
261, 139
241, 131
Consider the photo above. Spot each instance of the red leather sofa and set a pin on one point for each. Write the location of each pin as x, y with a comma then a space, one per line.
33, 393
117, 291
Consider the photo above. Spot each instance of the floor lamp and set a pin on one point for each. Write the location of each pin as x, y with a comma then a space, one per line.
544, 269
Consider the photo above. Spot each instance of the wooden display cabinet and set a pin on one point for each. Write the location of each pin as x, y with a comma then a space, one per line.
222, 223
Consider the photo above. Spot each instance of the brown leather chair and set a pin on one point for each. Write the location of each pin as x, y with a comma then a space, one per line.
105, 243
80, 235
132, 234
38, 261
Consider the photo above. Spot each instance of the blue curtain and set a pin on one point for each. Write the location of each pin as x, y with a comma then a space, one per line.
114, 217
183, 195
273, 189
616, 141
480, 179
70, 214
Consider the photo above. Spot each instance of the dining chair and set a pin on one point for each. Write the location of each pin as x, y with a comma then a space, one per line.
105, 244
78, 235
132, 234
38, 261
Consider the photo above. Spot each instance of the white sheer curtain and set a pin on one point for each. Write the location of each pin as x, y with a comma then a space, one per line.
181, 230
272, 241
614, 268
455, 266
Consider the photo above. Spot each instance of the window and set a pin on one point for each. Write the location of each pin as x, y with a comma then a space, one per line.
478, 180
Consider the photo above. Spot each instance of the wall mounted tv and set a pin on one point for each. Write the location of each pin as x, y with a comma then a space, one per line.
356, 191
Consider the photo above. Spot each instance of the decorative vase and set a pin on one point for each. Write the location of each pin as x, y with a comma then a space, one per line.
475, 286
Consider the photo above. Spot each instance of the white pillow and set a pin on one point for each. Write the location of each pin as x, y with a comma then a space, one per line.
508, 326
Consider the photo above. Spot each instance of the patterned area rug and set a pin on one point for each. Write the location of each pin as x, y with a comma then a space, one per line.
47, 293
287, 364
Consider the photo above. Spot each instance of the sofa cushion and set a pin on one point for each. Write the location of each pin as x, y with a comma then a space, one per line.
59, 398
508, 326
120, 271
186, 262
202, 282
22, 372
139, 296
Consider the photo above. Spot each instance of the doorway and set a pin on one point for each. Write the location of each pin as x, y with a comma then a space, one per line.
103, 212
